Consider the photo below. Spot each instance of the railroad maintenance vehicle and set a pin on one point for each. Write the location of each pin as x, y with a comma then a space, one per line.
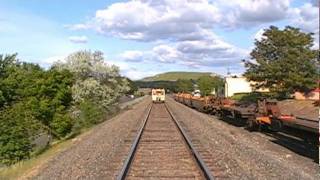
158, 95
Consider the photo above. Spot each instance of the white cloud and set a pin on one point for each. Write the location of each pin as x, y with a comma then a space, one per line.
78, 39
246, 13
151, 20
259, 35
126, 69
196, 54
53, 59
306, 18
135, 74
182, 19
49, 61
133, 56
166, 54
182, 31
156, 20
184, 27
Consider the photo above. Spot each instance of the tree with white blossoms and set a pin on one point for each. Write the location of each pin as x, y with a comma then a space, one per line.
95, 80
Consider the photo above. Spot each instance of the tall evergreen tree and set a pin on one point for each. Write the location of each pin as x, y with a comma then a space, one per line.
284, 61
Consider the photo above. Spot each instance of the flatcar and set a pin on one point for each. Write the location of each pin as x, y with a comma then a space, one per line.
158, 95
202, 104
272, 114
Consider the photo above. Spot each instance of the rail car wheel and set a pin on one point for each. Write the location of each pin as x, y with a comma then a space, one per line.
213, 112
220, 114
238, 119
276, 125
252, 125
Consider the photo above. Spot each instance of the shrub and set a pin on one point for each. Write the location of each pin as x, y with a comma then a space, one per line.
32, 100
62, 124
17, 126
91, 113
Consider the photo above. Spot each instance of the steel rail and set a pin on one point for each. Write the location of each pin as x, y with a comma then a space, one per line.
127, 163
196, 155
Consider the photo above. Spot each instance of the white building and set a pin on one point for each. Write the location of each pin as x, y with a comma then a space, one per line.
238, 85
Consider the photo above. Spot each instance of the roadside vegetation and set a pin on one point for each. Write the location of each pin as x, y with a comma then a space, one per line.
38, 106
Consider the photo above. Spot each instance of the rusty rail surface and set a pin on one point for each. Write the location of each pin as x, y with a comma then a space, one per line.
162, 149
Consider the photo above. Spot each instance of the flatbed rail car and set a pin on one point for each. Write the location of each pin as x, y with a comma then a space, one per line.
176, 97
306, 114
297, 114
183, 98
237, 110
158, 95
179, 97
269, 113
187, 99
202, 104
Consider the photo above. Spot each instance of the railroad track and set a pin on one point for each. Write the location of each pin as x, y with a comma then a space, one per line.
162, 150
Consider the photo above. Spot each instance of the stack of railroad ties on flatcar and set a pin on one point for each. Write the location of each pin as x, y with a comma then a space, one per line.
274, 115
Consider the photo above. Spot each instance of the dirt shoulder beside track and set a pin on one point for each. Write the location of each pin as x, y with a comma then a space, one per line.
97, 154
241, 154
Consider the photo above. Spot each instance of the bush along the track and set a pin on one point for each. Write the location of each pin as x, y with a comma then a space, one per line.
38, 105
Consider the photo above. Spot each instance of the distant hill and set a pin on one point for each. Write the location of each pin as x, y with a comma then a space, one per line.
173, 76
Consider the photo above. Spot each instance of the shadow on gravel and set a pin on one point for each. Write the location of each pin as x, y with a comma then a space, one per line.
290, 140
229, 120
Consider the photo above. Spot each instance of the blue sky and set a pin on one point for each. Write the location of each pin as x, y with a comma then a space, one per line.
146, 37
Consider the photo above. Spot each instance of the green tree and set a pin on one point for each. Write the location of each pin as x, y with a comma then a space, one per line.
94, 79
184, 85
207, 84
17, 127
132, 85
32, 101
283, 61
7, 65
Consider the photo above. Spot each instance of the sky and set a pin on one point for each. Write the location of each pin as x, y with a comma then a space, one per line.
147, 37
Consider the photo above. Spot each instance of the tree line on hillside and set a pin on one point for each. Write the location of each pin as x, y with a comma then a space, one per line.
206, 84
59, 102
